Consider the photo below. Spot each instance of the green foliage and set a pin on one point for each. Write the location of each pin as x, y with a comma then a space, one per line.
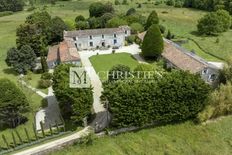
152, 19
82, 25
117, 2
118, 72
43, 84
136, 18
57, 28
75, 103
162, 29
116, 22
42, 129
21, 60
79, 18
46, 76
13, 104
27, 134
220, 103
226, 73
136, 28
152, 45
214, 23
130, 11
11, 5
97, 9
124, 2
94, 23
140, 103
5, 13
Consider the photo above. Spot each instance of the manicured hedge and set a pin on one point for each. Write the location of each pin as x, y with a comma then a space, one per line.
177, 96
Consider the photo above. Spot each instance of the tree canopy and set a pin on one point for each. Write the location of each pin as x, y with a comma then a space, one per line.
75, 103
97, 9
11, 5
21, 60
152, 19
152, 45
214, 23
13, 104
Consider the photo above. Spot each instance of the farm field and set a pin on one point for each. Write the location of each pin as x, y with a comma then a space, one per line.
186, 138
106, 62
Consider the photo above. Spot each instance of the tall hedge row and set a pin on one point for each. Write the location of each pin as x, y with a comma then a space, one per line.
177, 96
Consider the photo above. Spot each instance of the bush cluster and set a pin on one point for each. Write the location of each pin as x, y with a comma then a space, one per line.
176, 97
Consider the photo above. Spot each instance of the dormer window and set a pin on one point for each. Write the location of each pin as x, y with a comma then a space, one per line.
90, 37
115, 35
205, 71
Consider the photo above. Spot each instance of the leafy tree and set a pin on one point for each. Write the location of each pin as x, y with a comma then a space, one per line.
116, 22
152, 45
214, 23
13, 104
136, 28
82, 25
21, 60
97, 9
136, 18
11, 5
152, 19
94, 23
156, 101
170, 2
118, 72
75, 103
116, 2
57, 28
79, 18
30, 34
130, 11
105, 18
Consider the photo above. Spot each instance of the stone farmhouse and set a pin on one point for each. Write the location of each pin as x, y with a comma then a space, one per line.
74, 41
98, 38
179, 58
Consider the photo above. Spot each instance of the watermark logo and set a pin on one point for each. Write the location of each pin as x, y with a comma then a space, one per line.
78, 78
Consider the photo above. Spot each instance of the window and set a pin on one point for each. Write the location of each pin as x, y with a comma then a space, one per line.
91, 44
212, 77
205, 71
74, 38
115, 35
103, 36
126, 32
90, 37
115, 41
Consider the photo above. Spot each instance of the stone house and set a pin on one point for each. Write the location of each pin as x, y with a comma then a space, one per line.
98, 38
179, 58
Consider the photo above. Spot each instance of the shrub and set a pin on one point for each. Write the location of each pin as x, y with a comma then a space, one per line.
130, 39
162, 29
44, 83
118, 72
116, 2
136, 28
138, 103
220, 103
44, 103
46, 76
152, 19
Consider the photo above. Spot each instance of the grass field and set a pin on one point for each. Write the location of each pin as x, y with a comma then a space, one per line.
179, 139
103, 63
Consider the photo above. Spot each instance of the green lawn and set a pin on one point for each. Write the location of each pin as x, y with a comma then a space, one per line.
103, 63
180, 139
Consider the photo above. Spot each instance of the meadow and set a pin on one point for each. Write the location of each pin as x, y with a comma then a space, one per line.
185, 138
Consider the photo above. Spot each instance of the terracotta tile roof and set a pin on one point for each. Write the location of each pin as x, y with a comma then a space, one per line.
68, 52
83, 33
182, 58
53, 53
64, 52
